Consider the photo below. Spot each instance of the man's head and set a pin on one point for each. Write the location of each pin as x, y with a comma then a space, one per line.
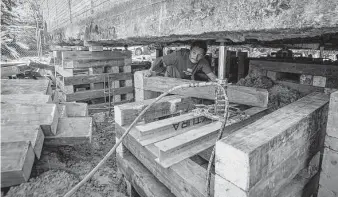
125, 46
198, 50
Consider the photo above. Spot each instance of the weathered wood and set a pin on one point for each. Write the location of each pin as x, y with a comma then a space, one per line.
67, 89
332, 123
284, 139
32, 133
126, 113
26, 98
17, 159
25, 86
237, 94
329, 173
288, 67
95, 78
91, 94
166, 128
9, 71
187, 144
319, 81
92, 63
71, 131
183, 179
144, 182
65, 72
304, 89
92, 55
45, 115
76, 109
95, 48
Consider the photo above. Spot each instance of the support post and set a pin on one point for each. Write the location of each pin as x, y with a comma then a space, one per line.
221, 61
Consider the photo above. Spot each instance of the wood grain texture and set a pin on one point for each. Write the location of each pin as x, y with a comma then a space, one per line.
126, 113
45, 115
144, 182
17, 159
288, 67
332, 123
329, 173
26, 98
237, 94
71, 131
95, 78
183, 179
25, 86
86, 63
91, 55
75, 109
304, 89
32, 133
248, 157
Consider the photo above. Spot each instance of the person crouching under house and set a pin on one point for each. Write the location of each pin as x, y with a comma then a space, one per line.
185, 64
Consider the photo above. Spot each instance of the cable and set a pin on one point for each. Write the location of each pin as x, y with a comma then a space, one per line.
91, 173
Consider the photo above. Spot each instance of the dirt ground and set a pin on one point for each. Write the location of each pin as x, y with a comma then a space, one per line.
60, 168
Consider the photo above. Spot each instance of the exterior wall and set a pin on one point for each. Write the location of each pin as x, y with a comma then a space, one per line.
121, 19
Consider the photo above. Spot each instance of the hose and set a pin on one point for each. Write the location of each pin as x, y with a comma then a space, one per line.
91, 173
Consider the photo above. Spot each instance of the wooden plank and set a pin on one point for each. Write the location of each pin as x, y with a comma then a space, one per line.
319, 81
329, 173
76, 109
26, 98
71, 131
185, 145
95, 48
9, 71
91, 94
184, 179
45, 115
288, 67
166, 128
95, 78
90, 63
65, 72
144, 182
237, 94
284, 139
332, 123
126, 113
32, 133
25, 86
91, 55
17, 159
67, 89
304, 89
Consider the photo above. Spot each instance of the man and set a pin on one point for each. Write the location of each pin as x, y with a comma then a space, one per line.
184, 64
126, 51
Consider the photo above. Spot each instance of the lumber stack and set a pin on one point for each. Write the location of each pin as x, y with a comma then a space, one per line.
304, 77
30, 120
165, 139
94, 75
329, 174
278, 154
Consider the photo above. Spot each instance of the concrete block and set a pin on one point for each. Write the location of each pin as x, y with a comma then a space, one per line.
319, 81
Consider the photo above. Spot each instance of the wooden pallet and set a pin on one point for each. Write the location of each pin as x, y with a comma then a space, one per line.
149, 142
83, 76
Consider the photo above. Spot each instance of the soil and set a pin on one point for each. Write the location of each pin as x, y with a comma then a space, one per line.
62, 167
279, 95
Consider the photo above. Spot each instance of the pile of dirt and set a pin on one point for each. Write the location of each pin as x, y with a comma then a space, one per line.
279, 95
62, 167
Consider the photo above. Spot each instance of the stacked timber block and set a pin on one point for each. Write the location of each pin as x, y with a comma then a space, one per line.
93, 76
304, 77
164, 141
329, 175
278, 155
30, 120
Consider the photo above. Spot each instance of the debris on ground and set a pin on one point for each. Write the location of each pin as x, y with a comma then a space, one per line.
279, 95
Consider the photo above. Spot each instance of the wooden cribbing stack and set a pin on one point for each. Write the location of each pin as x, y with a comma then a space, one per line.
30, 120
95, 76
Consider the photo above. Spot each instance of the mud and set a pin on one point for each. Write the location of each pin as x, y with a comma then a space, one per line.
60, 168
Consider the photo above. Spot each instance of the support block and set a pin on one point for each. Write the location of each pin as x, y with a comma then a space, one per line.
319, 81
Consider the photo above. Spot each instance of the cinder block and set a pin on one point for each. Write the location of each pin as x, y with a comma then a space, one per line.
319, 81
306, 79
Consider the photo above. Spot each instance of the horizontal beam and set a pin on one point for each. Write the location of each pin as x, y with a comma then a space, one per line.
92, 63
237, 94
26, 98
91, 55
255, 156
95, 78
25, 86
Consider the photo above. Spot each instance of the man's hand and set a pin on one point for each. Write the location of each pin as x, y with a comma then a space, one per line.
149, 73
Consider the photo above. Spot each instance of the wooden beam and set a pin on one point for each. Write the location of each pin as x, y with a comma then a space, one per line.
166, 128
184, 179
32, 133
92, 63
17, 159
25, 86
272, 150
237, 94
95, 78
71, 131
289, 67
332, 123
26, 98
91, 94
92, 55
45, 115
75, 109
304, 89
126, 113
